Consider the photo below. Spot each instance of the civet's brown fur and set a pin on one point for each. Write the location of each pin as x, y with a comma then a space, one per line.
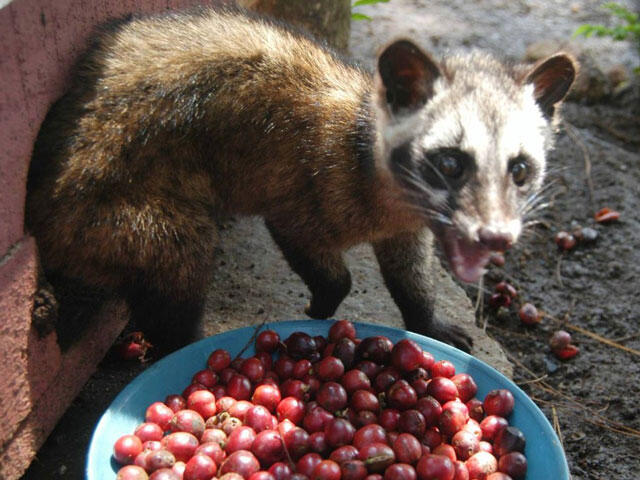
171, 119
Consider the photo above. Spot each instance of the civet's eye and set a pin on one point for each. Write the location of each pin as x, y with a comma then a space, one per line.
447, 168
450, 166
520, 171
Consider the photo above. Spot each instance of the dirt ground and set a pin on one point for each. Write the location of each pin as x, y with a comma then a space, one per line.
593, 398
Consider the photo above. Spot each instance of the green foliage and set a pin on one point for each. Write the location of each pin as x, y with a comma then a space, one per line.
620, 32
629, 30
358, 3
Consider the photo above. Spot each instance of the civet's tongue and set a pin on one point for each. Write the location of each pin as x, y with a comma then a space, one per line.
467, 259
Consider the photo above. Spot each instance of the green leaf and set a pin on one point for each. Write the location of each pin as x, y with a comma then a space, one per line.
621, 12
360, 16
586, 30
357, 3
630, 30
602, 31
619, 33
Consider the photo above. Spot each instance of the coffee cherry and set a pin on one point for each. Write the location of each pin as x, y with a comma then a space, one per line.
267, 341
498, 402
565, 241
528, 314
126, 449
435, 467
606, 215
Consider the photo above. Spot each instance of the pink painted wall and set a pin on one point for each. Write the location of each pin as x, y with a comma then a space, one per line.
40, 41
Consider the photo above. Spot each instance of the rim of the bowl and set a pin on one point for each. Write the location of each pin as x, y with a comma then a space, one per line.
520, 396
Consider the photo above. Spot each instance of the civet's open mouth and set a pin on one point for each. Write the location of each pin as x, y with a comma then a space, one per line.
466, 258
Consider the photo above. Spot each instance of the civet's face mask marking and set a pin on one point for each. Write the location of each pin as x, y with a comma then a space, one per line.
467, 141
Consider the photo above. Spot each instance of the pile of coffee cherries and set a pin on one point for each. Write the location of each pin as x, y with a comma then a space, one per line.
334, 408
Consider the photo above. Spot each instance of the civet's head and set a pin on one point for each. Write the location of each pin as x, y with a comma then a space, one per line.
466, 139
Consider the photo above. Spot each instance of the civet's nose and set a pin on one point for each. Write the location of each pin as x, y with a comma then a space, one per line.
497, 241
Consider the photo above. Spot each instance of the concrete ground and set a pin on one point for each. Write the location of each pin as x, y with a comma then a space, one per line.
253, 282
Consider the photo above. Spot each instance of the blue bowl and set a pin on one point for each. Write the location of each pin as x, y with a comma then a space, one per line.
173, 373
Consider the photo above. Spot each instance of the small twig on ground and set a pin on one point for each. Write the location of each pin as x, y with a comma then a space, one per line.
590, 334
607, 426
618, 134
587, 162
533, 380
556, 425
256, 330
478, 286
626, 338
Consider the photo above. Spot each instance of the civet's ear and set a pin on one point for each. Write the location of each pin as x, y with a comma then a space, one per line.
551, 79
407, 75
